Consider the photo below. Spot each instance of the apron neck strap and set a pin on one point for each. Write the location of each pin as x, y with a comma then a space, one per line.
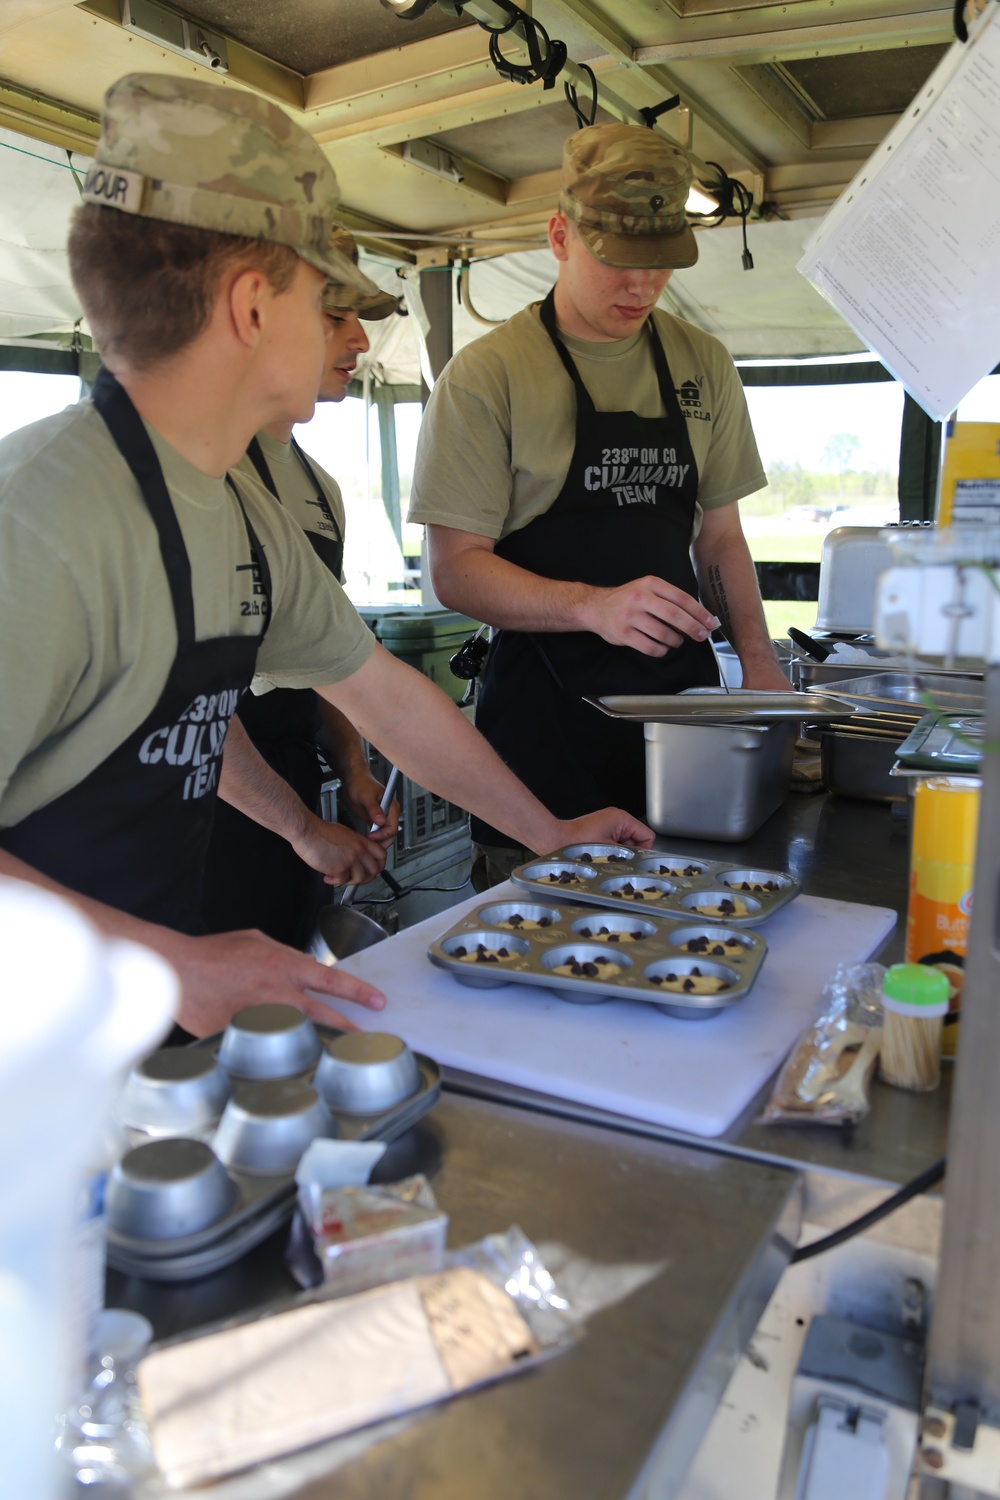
256, 552
134, 443
255, 453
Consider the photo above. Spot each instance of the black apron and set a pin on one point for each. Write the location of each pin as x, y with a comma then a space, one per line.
134, 832
626, 509
254, 878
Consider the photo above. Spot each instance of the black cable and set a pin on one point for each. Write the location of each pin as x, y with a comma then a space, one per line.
959, 21
569, 89
653, 112
410, 890
912, 1189
735, 202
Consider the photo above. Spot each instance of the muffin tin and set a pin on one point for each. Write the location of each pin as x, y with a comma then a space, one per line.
545, 940
216, 1131
660, 884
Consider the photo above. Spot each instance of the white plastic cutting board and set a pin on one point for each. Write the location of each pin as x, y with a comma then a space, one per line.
624, 1056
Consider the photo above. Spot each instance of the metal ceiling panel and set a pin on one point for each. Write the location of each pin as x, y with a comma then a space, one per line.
309, 35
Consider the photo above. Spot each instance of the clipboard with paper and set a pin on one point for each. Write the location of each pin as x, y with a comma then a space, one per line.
908, 255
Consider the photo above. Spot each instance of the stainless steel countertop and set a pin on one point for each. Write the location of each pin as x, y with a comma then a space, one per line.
713, 1233
847, 850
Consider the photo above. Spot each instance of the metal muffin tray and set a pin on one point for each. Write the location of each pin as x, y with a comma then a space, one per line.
659, 884
529, 942
181, 1204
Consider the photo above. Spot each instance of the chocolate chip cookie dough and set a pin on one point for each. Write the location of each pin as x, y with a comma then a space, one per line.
692, 983
597, 968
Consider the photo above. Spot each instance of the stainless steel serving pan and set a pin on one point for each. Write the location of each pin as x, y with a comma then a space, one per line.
903, 694
711, 706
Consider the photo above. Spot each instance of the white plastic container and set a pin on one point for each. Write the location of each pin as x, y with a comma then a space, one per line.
78, 1010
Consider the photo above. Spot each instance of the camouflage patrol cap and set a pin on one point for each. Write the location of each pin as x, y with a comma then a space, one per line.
341, 298
213, 157
624, 187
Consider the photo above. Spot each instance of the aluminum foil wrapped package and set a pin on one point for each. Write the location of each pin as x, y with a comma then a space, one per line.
246, 1393
827, 1076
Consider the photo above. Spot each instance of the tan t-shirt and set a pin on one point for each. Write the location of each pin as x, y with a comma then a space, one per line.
87, 631
497, 437
296, 491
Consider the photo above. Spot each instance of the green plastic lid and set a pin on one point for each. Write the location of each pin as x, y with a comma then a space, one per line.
917, 987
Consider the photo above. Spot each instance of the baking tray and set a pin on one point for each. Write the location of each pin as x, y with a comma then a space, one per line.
263, 1201
712, 706
646, 952
943, 744
683, 883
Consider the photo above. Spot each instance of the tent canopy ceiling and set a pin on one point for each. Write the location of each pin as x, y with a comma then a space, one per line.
789, 99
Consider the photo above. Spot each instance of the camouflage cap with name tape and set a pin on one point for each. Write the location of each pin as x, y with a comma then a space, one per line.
624, 187
215, 157
341, 298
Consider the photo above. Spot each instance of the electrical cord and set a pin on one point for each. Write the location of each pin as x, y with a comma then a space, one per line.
912, 1189
735, 202
569, 89
546, 57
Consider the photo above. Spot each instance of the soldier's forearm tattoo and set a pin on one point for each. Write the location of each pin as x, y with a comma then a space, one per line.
717, 599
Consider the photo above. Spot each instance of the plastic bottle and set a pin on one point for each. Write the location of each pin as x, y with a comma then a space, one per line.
915, 1001
942, 859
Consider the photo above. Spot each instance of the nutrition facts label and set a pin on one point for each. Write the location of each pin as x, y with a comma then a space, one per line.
908, 254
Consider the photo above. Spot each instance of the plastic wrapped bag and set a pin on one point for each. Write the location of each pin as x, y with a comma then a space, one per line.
827, 1076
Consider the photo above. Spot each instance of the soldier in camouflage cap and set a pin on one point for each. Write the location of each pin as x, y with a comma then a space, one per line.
340, 297
190, 152
577, 471
625, 187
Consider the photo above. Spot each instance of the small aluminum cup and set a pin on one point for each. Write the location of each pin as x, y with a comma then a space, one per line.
269, 1041
166, 1190
267, 1126
614, 927
365, 1072
599, 854
176, 1091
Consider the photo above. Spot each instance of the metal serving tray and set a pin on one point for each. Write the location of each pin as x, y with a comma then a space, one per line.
263, 1201
713, 706
682, 950
953, 744
900, 693
684, 884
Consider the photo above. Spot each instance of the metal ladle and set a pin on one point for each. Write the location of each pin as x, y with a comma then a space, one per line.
340, 930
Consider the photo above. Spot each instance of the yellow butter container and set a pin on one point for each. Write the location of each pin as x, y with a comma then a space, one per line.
942, 858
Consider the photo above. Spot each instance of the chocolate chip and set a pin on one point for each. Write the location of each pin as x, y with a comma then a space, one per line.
459, 952
688, 986
695, 970
545, 921
718, 948
585, 932
516, 919
727, 907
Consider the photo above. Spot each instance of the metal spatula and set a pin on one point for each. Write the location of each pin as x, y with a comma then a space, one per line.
340, 930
